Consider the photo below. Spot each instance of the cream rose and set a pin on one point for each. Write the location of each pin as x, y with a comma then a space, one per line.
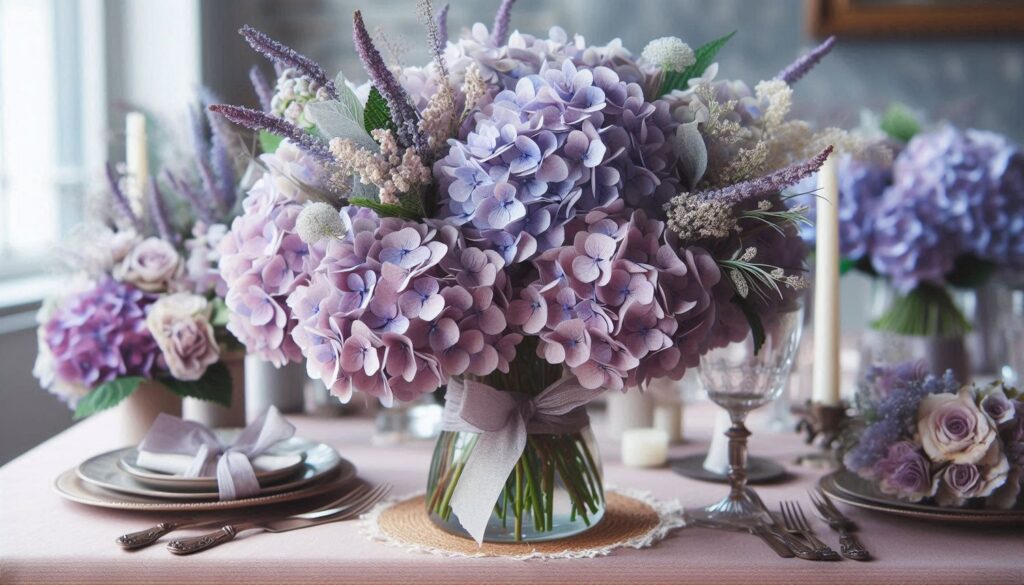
180, 323
952, 428
152, 265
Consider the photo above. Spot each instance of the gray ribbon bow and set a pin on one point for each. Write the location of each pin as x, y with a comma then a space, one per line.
504, 419
231, 463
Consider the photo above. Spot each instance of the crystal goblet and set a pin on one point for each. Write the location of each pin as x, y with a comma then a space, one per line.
740, 378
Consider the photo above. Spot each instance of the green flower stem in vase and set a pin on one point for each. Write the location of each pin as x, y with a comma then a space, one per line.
555, 488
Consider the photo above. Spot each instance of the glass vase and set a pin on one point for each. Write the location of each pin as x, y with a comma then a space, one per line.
554, 491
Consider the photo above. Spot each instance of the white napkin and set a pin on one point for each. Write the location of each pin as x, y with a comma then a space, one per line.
176, 464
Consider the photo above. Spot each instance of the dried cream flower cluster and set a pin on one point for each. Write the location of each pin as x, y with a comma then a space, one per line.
394, 170
694, 217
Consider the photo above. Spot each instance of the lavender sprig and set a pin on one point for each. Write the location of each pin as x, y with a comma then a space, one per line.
768, 184
256, 120
158, 212
804, 64
441, 19
262, 87
200, 206
402, 111
120, 202
499, 33
220, 156
279, 53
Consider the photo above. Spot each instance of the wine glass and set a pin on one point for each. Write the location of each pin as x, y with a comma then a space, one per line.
740, 378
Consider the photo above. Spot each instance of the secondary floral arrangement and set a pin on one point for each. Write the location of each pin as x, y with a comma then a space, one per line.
927, 439
527, 220
944, 213
146, 300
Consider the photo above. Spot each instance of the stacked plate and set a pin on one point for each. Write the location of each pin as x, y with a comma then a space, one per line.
849, 488
291, 470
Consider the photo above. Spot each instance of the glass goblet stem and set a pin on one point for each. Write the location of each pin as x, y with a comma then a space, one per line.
737, 434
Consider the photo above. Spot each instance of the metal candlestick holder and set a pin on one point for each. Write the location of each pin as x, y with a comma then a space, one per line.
822, 424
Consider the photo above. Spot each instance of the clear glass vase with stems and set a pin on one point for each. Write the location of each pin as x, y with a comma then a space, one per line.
554, 491
740, 378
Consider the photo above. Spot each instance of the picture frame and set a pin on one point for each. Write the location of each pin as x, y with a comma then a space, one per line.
895, 18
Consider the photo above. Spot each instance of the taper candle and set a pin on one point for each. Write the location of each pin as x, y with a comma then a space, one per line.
826, 287
136, 160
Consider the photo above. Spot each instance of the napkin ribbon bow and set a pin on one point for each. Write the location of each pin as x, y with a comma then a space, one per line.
504, 419
232, 463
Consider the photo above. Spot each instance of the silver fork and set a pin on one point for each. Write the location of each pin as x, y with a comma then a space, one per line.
797, 524
849, 545
148, 536
194, 544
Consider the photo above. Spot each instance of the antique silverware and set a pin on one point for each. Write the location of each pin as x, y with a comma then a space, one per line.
796, 523
776, 543
772, 523
849, 545
361, 504
144, 538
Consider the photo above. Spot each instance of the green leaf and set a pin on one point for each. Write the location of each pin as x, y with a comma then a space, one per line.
220, 313
377, 114
334, 120
705, 57
348, 99
927, 311
754, 320
269, 142
106, 396
900, 123
385, 209
846, 265
214, 385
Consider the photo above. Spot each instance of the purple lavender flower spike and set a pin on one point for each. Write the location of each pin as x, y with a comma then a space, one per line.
255, 120
121, 202
769, 184
157, 210
499, 33
804, 64
402, 111
279, 53
261, 86
220, 156
203, 212
441, 18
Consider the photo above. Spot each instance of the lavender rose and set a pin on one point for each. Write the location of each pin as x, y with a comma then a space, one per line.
995, 403
952, 428
960, 482
180, 323
1005, 497
905, 473
151, 266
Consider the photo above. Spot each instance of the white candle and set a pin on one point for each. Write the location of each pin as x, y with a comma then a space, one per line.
136, 161
669, 418
644, 447
826, 288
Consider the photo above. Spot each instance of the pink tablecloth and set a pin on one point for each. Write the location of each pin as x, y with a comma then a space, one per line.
44, 539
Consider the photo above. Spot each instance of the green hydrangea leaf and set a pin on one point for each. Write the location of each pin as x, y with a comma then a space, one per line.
377, 114
106, 396
385, 209
705, 56
269, 142
214, 385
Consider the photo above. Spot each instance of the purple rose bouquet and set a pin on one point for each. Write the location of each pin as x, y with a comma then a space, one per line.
148, 300
522, 211
922, 438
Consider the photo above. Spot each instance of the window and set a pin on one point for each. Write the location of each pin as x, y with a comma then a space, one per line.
52, 125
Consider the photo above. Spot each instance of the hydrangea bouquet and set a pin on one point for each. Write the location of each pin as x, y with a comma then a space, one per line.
529, 220
146, 299
946, 212
925, 438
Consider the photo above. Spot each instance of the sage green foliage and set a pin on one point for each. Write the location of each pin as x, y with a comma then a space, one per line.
928, 310
705, 56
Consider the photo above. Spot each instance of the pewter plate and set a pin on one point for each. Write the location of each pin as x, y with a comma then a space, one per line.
103, 471
175, 483
845, 486
69, 486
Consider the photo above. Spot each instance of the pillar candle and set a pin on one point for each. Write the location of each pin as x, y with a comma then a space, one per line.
644, 447
136, 161
826, 288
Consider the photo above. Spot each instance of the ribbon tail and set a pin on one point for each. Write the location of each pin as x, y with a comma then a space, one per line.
235, 476
483, 477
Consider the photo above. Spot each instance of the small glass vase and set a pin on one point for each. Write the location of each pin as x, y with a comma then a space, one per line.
555, 490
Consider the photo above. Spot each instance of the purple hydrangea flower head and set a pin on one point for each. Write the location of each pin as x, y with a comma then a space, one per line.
100, 334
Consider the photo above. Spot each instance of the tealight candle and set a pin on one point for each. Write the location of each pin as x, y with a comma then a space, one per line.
644, 447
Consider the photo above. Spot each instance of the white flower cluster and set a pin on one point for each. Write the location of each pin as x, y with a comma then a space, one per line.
291, 95
669, 53
319, 221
